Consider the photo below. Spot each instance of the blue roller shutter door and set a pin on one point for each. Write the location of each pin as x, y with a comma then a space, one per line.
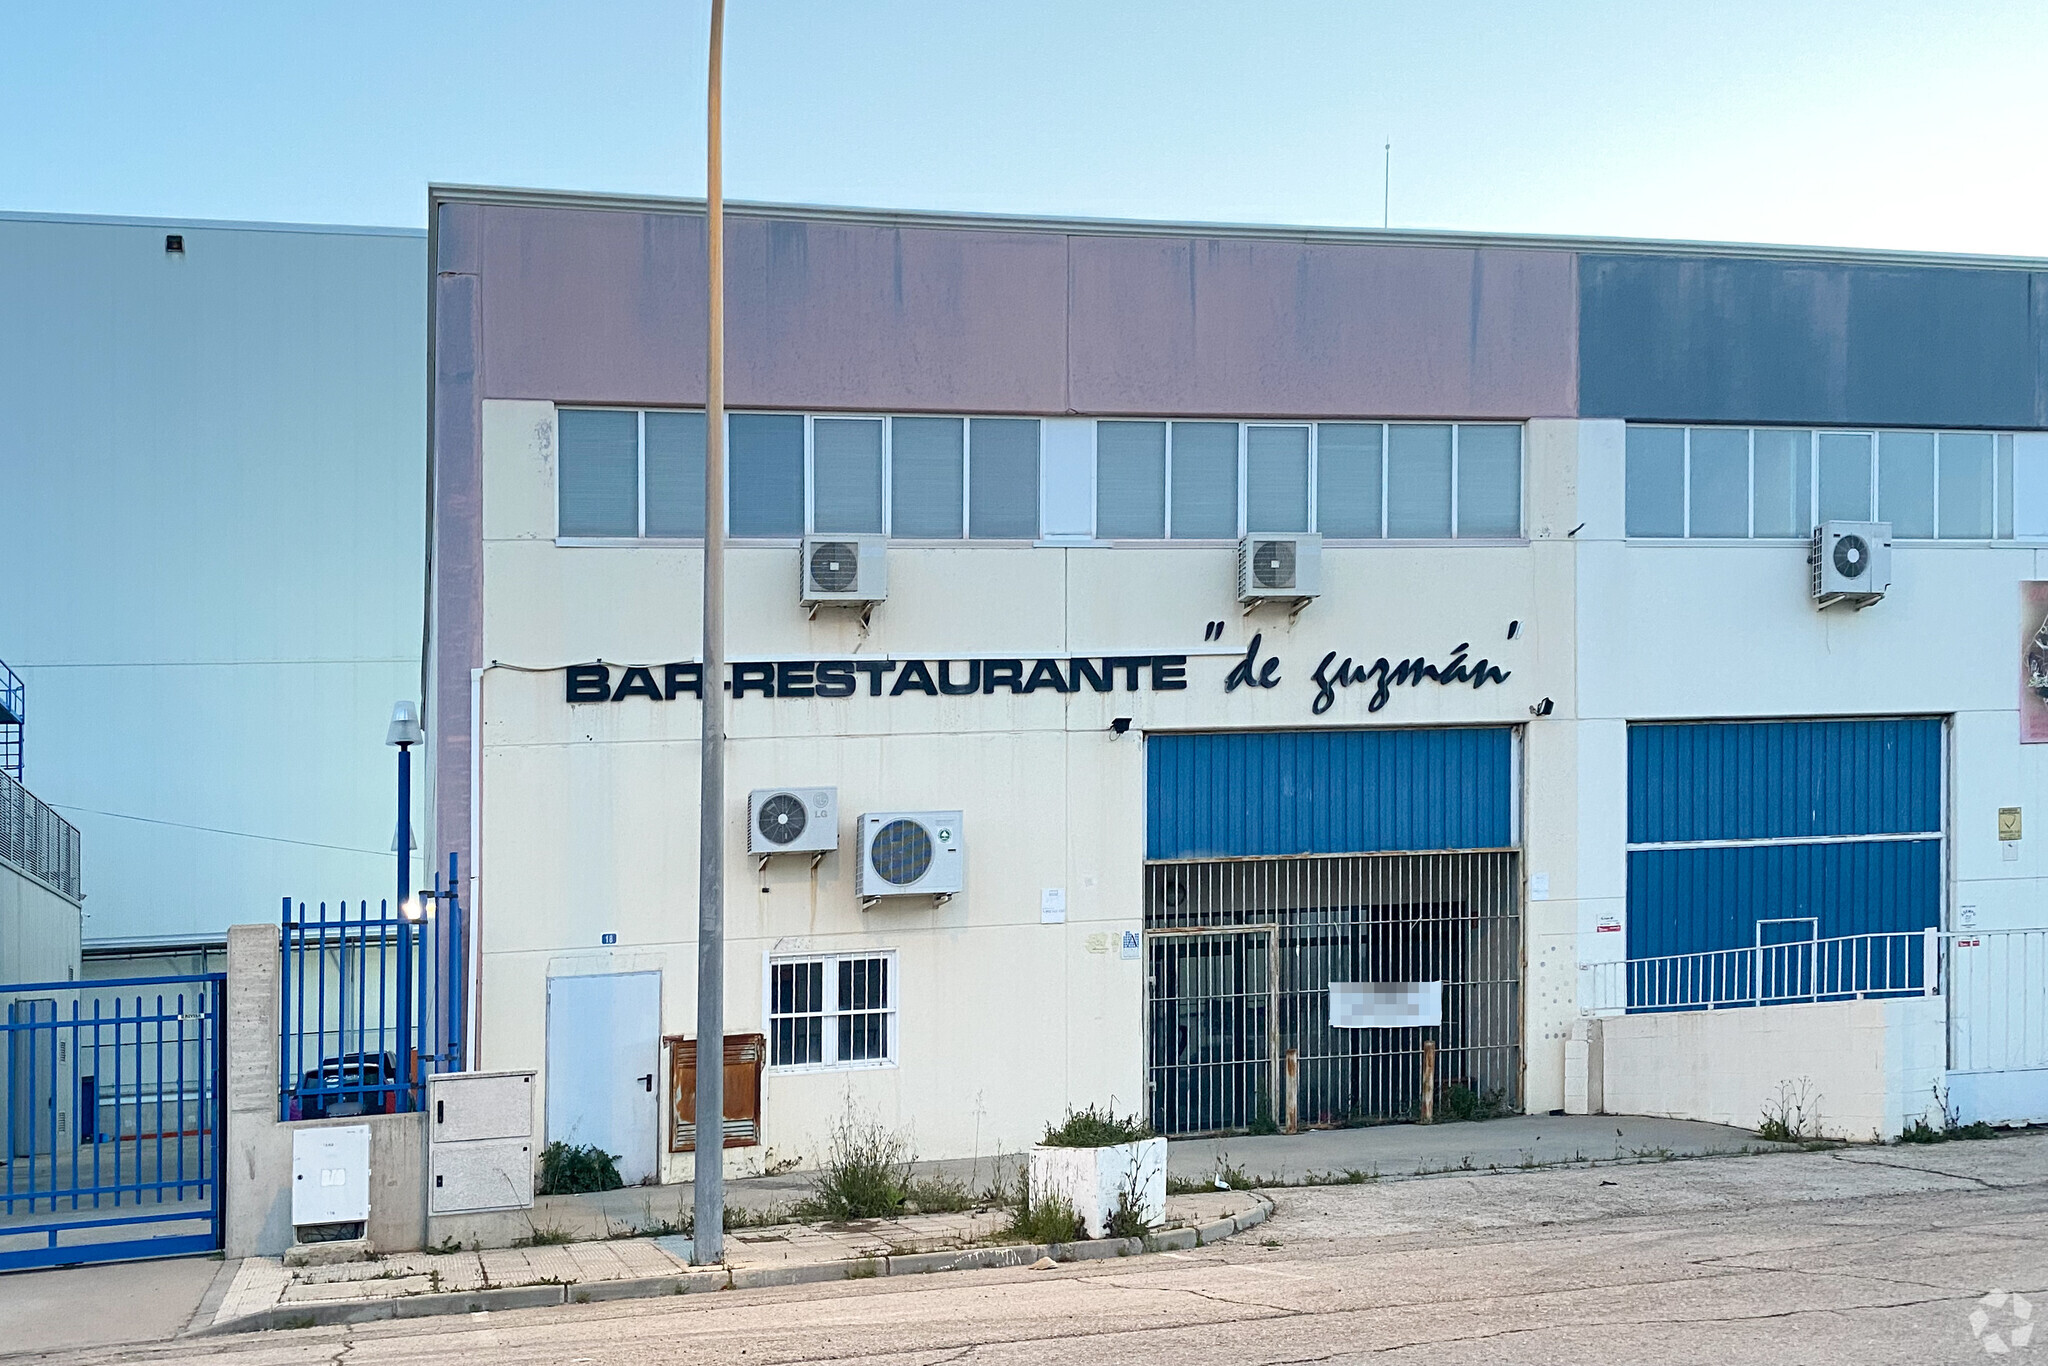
1247, 793
1774, 821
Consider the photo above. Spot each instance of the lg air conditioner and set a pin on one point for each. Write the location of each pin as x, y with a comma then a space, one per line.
1279, 567
792, 820
844, 571
1851, 562
911, 853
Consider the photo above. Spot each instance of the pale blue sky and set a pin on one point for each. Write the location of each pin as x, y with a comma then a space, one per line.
1808, 121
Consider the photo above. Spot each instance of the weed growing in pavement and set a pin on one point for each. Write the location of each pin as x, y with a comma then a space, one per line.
865, 1173
1793, 1116
1051, 1219
1461, 1104
1950, 1127
576, 1171
550, 1236
864, 1269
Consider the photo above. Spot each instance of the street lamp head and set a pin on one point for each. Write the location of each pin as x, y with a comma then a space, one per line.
405, 725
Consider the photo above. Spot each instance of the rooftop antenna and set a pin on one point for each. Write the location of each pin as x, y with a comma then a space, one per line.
1386, 187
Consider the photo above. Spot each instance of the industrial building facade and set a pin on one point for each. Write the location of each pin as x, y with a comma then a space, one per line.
1200, 646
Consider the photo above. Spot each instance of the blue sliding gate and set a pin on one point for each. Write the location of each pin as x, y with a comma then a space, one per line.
114, 1111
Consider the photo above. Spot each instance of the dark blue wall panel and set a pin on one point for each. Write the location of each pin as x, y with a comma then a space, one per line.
1729, 339
1328, 791
1728, 780
1698, 900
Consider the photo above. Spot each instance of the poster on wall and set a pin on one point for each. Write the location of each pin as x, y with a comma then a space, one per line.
2033, 662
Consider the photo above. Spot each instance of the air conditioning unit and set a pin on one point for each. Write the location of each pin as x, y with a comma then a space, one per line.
1852, 562
1276, 567
792, 820
911, 853
844, 571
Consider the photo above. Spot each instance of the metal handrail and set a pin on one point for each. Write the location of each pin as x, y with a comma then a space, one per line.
37, 840
1850, 967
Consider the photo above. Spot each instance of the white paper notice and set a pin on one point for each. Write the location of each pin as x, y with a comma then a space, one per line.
1052, 906
1386, 1005
1131, 946
1539, 886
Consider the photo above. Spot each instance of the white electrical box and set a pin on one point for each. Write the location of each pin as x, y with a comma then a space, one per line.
493, 1174
480, 1142
463, 1107
331, 1175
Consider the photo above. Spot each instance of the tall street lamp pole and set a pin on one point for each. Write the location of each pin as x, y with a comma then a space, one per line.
708, 1237
404, 732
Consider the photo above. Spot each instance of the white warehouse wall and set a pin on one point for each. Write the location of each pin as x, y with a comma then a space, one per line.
587, 818
212, 468
1676, 630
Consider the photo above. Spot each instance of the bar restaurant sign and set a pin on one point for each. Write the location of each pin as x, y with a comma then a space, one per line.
845, 678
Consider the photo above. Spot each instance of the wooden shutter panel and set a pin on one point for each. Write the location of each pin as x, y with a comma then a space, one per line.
745, 1055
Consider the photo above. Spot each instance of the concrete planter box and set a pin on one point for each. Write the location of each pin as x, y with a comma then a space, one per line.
1093, 1180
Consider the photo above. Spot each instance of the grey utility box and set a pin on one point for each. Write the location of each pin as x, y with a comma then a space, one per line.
479, 1141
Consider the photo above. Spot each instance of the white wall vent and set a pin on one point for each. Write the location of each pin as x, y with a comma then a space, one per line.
1279, 567
1851, 562
792, 820
911, 853
844, 571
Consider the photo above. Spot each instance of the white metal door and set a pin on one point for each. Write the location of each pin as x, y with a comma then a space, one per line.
604, 1050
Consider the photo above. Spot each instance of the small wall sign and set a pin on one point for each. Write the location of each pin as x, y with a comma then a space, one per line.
2008, 822
1052, 906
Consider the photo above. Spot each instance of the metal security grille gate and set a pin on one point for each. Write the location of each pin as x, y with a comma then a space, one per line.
1240, 956
113, 1109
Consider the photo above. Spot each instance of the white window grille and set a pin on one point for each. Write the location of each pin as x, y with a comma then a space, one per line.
831, 1011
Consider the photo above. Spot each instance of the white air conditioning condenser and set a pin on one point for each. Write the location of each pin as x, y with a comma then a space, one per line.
1279, 567
792, 820
844, 571
1851, 562
911, 853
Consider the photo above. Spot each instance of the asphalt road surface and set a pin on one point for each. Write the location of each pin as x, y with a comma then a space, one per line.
1863, 1255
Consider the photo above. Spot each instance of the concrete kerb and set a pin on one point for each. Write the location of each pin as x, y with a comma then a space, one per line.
746, 1278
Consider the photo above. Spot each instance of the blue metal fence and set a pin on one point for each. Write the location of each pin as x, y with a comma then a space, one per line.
373, 1002
114, 1119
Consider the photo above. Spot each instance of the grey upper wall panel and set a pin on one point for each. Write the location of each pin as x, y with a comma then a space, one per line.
607, 306
1705, 339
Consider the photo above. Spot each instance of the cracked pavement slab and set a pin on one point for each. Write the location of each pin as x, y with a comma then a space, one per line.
1852, 1255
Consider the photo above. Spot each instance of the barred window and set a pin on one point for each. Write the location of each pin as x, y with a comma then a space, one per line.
832, 1011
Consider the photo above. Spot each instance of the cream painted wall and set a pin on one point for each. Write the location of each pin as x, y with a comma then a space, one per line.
38, 930
588, 821
1862, 1070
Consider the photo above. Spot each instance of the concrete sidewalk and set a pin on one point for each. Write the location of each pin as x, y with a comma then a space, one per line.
1383, 1152
263, 1292
1390, 1152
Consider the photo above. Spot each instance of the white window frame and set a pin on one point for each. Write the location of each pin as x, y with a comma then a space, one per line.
829, 1030
2002, 493
1315, 457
